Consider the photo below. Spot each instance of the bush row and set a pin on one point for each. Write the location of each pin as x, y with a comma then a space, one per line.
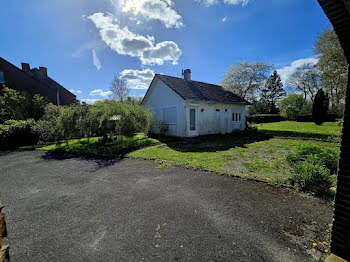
308, 118
104, 119
265, 118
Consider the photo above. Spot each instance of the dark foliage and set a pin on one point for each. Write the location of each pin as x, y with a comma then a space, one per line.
14, 134
320, 107
272, 92
264, 118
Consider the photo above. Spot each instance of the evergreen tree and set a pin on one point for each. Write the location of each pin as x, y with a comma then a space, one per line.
273, 91
320, 107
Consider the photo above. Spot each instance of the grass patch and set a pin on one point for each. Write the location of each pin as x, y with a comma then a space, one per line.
163, 166
329, 131
260, 155
93, 146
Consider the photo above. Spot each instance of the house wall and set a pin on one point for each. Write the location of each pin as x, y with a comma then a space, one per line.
162, 99
216, 118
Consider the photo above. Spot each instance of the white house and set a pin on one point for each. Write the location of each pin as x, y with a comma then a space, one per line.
192, 108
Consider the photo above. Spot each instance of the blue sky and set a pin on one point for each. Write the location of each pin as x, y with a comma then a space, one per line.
83, 43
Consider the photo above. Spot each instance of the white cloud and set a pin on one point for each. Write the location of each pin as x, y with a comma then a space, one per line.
287, 71
224, 19
125, 42
96, 60
90, 101
87, 47
230, 2
137, 79
75, 91
154, 10
100, 92
236, 2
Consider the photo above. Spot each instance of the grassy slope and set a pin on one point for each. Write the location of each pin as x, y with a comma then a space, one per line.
260, 156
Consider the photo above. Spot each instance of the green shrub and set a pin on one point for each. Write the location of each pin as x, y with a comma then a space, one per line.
313, 177
326, 157
106, 118
47, 127
292, 106
16, 133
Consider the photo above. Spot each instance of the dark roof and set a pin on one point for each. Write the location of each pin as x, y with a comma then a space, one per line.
200, 91
29, 82
66, 97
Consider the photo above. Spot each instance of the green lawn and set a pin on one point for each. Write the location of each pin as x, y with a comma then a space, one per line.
258, 155
309, 131
92, 146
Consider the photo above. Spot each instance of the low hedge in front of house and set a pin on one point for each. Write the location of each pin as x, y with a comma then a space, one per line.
265, 118
16, 133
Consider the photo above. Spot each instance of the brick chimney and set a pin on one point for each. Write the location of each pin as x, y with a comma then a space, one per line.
187, 74
43, 70
25, 67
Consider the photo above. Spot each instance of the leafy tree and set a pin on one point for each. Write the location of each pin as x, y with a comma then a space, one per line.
272, 92
259, 107
292, 106
119, 89
20, 105
305, 79
133, 100
11, 102
37, 107
47, 127
320, 107
245, 79
332, 65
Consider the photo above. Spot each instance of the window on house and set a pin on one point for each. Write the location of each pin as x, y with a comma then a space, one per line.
217, 110
225, 110
2, 78
169, 115
236, 116
233, 117
202, 110
192, 119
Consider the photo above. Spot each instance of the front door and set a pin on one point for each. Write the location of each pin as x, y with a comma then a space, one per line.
192, 122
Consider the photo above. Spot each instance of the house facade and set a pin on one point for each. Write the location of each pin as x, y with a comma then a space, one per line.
34, 81
191, 108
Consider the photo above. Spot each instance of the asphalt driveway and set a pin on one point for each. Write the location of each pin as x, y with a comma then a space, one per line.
72, 209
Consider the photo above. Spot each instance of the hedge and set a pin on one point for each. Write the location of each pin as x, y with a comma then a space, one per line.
16, 133
308, 118
265, 118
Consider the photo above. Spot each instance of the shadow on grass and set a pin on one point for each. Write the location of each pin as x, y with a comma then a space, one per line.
214, 143
104, 154
301, 135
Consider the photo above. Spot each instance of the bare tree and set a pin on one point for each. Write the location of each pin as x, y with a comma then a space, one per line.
307, 80
119, 89
245, 79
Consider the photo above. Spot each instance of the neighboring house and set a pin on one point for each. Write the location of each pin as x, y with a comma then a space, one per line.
34, 81
192, 108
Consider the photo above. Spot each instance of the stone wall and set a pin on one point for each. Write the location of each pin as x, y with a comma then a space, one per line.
4, 249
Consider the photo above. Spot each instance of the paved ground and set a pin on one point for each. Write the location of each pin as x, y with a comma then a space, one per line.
71, 209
